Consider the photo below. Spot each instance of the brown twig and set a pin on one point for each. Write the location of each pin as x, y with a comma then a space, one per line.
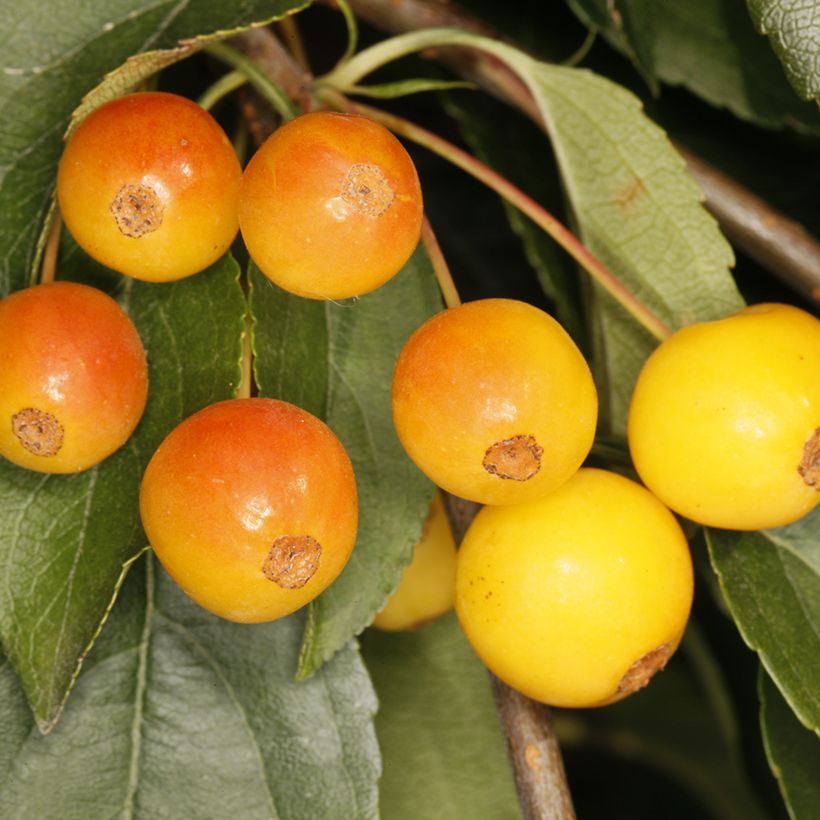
778, 243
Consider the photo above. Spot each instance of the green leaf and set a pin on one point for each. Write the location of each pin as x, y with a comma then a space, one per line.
182, 714
771, 583
710, 47
637, 210
442, 750
53, 54
64, 540
793, 752
793, 27
352, 347
629, 25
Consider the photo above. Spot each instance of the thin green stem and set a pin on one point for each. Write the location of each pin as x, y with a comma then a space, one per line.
221, 88
352, 32
583, 49
440, 266
260, 81
516, 197
348, 74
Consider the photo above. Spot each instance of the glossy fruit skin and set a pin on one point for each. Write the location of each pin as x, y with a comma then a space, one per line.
236, 486
487, 374
330, 206
148, 185
427, 587
70, 358
721, 416
563, 596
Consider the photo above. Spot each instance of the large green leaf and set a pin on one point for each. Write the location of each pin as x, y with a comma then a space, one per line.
442, 750
793, 752
793, 27
181, 714
64, 540
55, 52
771, 582
339, 358
638, 211
711, 48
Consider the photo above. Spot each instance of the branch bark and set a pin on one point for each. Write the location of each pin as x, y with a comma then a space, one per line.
778, 243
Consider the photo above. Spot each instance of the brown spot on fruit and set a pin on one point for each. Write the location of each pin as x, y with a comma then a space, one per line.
368, 190
641, 672
292, 560
809, 467
38, 431
137, 210
517, 458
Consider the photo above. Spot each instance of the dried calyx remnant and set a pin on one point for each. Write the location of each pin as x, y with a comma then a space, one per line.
517, 458
292, 560
137, 210
641, 672
809, 468
367, 189
38, 431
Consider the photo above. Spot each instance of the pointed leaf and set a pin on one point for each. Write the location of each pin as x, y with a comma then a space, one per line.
712, 48
65, 539
442, 749
354, 346
180, 713
771, 582
793, 752
53, 54
793, 27
638, 211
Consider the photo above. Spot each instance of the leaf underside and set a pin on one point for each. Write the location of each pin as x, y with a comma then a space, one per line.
180, 713
771, 582
793, 28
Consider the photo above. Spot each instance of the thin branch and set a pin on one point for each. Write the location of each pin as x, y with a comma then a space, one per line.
778, 243
51, 251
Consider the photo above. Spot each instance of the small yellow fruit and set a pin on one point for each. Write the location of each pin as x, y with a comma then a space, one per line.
724, 425
493, 401
427, 586
578, 598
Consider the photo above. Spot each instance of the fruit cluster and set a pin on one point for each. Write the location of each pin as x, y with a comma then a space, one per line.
573, 584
